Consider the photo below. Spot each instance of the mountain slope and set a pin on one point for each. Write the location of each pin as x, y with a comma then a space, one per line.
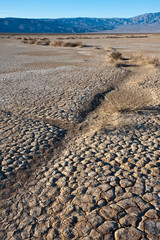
143, 23
148, 18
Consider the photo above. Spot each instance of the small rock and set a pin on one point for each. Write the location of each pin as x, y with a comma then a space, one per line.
150, 227
133, 211
143, 205
25, 222
128, 233
119, 190
101, 203
94, 219
138, 189
152, 213
128, 220
88, 207
83, 228
126, 183
35, 212
127, 203
108, 237
26, 232
109, 195
148, 197
57, 207
67, 233
51, 235
108, 227
61, 182
105, 187
108, 213
95, 235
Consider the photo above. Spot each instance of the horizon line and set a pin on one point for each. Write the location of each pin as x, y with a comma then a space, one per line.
45, 18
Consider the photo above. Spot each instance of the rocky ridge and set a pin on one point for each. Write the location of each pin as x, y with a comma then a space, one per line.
149, 22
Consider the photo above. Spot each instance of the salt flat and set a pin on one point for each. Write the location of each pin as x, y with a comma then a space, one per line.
79, 151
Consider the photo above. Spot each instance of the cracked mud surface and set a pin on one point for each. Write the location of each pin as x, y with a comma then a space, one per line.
79, 155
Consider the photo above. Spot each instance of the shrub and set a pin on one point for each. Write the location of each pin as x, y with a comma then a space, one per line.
116, 55
72, 44
29, 40
43, 42
65, 44
32, 41
154, 61
126, 100
44, 39
24, 41
57, 43
146, 60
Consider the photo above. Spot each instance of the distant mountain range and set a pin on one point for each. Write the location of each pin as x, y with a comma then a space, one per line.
146, 23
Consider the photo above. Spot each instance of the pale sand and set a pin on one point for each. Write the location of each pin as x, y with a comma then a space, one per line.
80, 140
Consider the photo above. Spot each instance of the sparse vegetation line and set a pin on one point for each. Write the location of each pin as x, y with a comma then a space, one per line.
47, 42
115, 58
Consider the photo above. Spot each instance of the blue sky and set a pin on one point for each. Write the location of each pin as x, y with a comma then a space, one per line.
77, 8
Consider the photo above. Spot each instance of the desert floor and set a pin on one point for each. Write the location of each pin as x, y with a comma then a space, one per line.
80, 139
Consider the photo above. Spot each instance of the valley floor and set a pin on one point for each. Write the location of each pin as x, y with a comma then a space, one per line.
80, 144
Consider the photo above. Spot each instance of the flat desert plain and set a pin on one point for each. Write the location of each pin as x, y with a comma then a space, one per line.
80, 137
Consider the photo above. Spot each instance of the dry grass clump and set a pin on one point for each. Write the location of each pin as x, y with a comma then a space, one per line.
32, 41
43, 42
108, 49
136, 36
118, 106
75, 37
145, 60
72, 44
37, 41
83, 37
113, 36
126, 36
57, 43
47, 42
125, 100
18, 38
63, 38
115, 58
24, 40
116, 55
29, 40
66, 44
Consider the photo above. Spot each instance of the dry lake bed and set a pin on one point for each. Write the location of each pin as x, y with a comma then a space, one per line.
80, 137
